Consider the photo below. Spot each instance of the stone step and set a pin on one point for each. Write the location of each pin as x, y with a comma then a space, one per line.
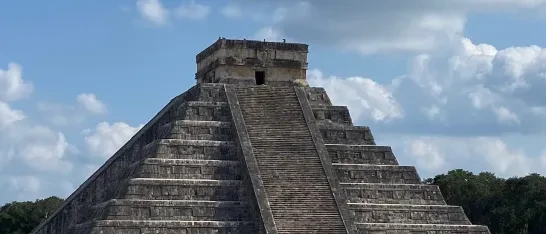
163, 227
191, 149
298, 191
382, 228
317, 96
183, 210
203, 111
347, 135
408, 214
209, 92
190, 169
184, 189
329, 115
196, 130
384, 174
411, 194
361, 154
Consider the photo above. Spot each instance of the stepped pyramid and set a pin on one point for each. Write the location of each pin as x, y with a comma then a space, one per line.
249, 149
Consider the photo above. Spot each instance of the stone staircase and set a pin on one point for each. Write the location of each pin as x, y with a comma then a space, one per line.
383, 196
297, 188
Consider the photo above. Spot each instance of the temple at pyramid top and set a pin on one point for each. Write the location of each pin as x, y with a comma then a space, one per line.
252, 62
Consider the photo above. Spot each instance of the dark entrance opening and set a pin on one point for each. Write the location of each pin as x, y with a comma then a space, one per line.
260, 77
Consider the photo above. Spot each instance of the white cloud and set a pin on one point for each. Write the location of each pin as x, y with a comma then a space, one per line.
231, 11
90, 102
365, 98
153, 11
157, 13
29, 184
12, 85
192, 10
36, 146
107, 138
504, 115
8, 115
267, 33
428, 156
436, 154
419, 25
475, 91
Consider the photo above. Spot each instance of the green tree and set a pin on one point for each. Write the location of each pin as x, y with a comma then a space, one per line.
22, 217
508, 206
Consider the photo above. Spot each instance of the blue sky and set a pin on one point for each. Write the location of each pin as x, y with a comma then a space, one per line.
450, 84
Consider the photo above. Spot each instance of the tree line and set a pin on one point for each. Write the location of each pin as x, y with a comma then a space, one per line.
515, 205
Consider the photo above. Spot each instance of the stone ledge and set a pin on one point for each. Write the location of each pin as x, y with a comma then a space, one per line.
409, 214
332, 115
204, 103
138, 202
174, 142
189, 169
361, 154
183, 210
167, 161
385, 174
191, 149
411, 194
200, 123
189, 182
161, 224
436, 228
345, 134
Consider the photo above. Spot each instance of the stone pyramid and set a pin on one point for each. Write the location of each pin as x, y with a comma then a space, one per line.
252, 149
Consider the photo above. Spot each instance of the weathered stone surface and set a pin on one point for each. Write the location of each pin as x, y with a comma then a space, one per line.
191, 149
184, 189
163, 227
408, 214
317, 96
347, 135
203, 111
384, 174
196, 130
326, 115
171, 210
382, 228
361, 154
190, 169
415, 194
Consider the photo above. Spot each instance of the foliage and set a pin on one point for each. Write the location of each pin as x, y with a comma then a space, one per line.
22, 217
508, 206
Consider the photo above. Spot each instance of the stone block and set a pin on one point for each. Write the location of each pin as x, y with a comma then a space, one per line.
196, 130
348, 135
184, 189
171, 210
327, 115
408, 214
191, 149
412, 194
161, 168
362, 154
163, 227
203, 111
388, 228
385, 174
317, 96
